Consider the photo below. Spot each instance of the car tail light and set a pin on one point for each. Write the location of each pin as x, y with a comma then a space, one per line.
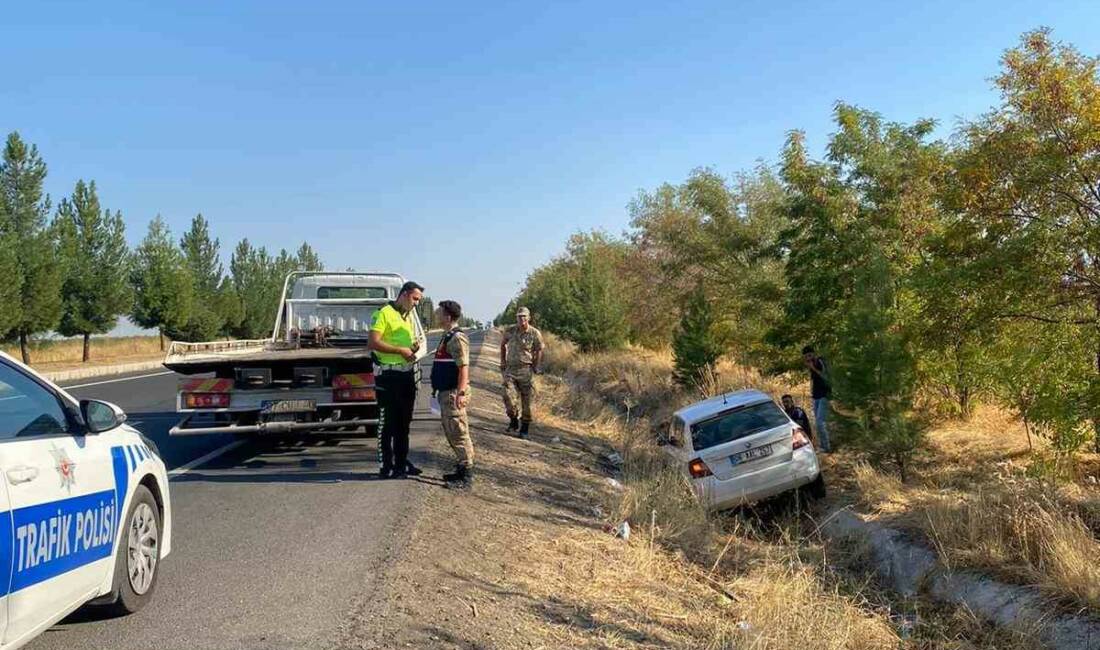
353, 395
206, 400
698, 468
800, 439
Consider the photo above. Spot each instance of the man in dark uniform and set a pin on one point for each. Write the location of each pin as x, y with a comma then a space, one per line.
821, 389
393, 338
451, 383
796, 414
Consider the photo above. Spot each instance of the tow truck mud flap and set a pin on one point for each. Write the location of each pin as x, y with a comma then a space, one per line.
181, 429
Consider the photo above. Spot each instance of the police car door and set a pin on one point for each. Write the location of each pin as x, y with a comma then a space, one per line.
61, 490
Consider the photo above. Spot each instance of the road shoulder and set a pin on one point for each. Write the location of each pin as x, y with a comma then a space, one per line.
521, 561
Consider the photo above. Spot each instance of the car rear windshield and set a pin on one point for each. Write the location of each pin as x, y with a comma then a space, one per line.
352, 293
737, 423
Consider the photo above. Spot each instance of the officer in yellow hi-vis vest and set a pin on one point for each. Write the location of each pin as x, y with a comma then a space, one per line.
394, 342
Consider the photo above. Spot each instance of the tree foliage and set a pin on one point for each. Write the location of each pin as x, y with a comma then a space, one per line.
696, 347
930, 272
163, 282
92, 247
28, 255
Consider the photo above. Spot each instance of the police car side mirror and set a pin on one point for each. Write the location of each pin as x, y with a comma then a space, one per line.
100, 416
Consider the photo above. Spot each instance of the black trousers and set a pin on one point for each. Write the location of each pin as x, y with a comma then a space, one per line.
397, 398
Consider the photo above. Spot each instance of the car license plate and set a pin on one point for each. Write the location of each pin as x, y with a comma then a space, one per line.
752, 454
288, 406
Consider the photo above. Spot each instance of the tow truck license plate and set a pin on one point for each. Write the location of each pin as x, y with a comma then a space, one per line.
288, 406
751, 454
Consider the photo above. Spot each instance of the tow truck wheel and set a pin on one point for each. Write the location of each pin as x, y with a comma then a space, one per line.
138, 556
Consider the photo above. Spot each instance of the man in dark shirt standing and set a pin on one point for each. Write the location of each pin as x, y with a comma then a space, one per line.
820, 390
797, 414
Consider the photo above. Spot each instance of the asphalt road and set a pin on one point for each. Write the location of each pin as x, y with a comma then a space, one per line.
275, 545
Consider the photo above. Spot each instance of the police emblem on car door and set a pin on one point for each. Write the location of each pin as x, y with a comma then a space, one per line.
66, 468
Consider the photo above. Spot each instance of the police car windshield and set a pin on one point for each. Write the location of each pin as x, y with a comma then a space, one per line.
737, 423
352, 293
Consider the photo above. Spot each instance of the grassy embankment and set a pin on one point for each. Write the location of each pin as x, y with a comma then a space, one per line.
783, 581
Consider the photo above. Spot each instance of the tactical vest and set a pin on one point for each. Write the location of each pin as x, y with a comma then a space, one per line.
444, 368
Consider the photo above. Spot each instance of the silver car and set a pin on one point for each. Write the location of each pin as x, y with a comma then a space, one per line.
741, 447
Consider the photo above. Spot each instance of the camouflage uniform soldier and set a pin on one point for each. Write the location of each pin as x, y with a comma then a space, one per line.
520, 355
451, 383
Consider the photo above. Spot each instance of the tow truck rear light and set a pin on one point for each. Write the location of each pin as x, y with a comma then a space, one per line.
206, 400
354, 380
353, 395
698, 468
800, 439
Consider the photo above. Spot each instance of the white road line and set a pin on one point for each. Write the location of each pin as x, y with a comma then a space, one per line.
111, 381
183, 469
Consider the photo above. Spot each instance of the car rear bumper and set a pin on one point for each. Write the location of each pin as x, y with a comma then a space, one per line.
719, 494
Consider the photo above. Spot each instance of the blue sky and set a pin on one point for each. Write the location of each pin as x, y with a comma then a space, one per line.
461, 143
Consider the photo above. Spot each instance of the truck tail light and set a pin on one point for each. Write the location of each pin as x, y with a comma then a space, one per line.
354, 380
206, 400
353, 395
800, 439
698, 468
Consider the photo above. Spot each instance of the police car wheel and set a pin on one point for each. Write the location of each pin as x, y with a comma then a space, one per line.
138, 555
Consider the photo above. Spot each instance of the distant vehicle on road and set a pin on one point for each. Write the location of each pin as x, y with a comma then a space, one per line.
315, 373
741, 447
85, 507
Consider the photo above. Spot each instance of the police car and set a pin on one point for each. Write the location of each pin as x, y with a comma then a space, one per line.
84, 508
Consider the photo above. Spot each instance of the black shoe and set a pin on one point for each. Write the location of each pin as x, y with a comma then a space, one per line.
399, 474
460, 473
413, 470
463, 479
385, 472
513, 424
523, 429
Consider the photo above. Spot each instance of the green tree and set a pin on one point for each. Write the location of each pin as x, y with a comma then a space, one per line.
203, 256
308, 259
164, 288
210, 311
251, 271
96, 289
696, 347
577, 295
24, 212
1030, 178
858, 223
720, 232
227, 304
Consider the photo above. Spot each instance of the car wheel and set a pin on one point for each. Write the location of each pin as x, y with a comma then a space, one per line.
138, 556
816, 489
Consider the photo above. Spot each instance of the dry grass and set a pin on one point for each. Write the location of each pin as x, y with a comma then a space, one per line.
60, 353
681, 557
629, 592
1017, 529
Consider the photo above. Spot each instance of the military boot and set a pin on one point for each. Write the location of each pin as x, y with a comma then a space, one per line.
461, 478
513, 423
523, 427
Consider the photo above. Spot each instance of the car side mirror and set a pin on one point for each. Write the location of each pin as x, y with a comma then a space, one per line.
100, 416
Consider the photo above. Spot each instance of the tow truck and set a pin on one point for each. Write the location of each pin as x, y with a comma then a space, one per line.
314, 374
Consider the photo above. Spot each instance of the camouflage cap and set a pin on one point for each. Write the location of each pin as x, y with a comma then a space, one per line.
523, 311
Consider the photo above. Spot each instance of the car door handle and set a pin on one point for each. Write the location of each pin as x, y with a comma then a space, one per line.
22, 474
